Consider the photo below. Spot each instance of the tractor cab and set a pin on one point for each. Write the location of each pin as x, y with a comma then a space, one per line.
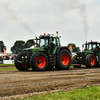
50, 42
90, 55
49, 39
90, 46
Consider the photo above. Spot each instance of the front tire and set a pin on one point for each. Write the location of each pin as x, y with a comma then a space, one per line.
39, 61
63, 60
90, 61
19, 65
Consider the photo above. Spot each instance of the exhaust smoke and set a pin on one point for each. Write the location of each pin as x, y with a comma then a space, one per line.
83, 14
17, 18
78, 5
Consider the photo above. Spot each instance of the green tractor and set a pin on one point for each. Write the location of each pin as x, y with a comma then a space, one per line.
47, 54
90, 55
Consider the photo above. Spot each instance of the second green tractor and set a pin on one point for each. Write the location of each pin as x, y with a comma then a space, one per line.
90, 56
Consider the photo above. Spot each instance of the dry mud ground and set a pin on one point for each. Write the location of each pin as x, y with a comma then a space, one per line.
14, 83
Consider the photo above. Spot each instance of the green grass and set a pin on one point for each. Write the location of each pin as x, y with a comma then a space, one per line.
83, 66
8, 69
71, 66
6, 64
2, 65
89, 93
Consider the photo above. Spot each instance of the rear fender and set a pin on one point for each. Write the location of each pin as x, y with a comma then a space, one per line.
62, 47
43, 50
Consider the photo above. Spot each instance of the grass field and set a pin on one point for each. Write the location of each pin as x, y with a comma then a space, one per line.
6, 64
88, 93
7, 69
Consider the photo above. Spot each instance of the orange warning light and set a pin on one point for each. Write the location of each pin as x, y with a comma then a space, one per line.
44, 33
56, 31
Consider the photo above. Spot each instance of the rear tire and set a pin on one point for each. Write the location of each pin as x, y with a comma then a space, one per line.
90, 61
19, 65
39, 61
63, 61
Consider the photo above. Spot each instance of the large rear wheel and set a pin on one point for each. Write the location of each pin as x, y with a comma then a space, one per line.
63, 60
90, 61
19, 65
39, 61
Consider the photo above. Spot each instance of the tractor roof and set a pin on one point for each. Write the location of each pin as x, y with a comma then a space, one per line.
48, 35
92, 42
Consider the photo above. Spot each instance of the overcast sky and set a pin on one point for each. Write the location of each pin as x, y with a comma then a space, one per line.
75, 20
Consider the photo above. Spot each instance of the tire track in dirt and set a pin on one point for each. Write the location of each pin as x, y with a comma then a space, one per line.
15, 82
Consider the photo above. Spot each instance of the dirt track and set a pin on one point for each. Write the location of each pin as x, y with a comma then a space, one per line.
18, 83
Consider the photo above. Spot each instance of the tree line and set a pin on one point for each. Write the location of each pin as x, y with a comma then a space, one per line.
19, 45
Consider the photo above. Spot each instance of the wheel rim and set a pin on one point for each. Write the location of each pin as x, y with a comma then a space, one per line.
41, 61
65, 59
92, 61
24, 65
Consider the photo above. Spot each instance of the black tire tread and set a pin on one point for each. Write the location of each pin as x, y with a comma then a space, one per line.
18, 65
34, 59
59, 66
87, 61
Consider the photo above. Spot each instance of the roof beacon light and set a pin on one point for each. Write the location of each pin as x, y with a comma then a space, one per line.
44, 33
57, 33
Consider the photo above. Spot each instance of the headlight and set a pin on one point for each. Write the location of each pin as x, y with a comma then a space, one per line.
80, 57
77, 57
22, 56
25, 56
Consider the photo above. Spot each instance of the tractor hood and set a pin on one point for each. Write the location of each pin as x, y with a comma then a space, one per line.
30, 51
35, 49
88, 51
84, 53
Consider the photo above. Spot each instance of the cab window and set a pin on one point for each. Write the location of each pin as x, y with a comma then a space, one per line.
52, 40
58, 42
94, 46
90, 47
43, 42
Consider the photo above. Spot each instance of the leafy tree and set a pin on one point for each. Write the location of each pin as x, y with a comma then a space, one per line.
29, 43
2, 46
74, 48
18, 47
